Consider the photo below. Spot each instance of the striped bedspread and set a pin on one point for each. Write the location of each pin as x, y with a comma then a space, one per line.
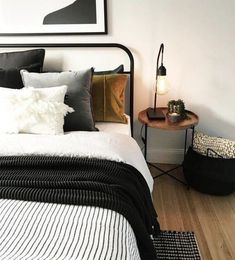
37, 231
74, 208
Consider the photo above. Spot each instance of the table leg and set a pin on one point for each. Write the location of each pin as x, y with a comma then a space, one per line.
185, 141
193, 130
145, 141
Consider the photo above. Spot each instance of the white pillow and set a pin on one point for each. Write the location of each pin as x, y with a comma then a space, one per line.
31, 110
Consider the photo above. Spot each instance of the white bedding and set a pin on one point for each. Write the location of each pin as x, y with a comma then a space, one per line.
33, 230
112, 146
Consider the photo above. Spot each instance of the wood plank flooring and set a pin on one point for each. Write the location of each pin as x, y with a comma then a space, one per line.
212, 218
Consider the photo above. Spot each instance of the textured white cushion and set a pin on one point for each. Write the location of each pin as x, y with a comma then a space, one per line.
213, 146
30, 110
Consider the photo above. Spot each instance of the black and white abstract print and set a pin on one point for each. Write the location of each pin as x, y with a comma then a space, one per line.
79, 12
50, 16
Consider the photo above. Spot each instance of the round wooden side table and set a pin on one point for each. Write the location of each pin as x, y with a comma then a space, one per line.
189, 122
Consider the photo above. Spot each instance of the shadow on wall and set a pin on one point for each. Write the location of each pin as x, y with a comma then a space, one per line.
54, 64
212, 124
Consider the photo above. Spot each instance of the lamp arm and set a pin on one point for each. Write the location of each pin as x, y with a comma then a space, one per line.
161, 50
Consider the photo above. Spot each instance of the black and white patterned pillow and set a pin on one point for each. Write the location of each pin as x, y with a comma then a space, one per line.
211, 146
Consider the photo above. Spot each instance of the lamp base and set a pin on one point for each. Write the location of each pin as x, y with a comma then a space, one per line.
155, 114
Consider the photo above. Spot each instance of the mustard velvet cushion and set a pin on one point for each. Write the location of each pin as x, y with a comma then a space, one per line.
108, 94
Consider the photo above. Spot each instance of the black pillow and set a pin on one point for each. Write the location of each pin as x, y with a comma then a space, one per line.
11, 78
20, 59
119, 69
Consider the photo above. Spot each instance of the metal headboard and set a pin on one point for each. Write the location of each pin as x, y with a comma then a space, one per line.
88, 45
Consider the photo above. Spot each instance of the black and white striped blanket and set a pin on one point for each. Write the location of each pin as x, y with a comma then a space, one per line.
70, 189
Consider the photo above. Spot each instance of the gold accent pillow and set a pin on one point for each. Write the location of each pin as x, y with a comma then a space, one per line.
108, 95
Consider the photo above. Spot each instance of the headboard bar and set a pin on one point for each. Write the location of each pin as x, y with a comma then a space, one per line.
87, 45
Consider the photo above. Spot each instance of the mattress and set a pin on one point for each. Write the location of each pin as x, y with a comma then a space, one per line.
36, 230
115, 127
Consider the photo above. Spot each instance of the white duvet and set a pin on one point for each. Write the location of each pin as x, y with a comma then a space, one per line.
112, 146
37, 231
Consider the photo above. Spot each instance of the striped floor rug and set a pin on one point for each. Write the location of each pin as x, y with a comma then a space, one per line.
177, 245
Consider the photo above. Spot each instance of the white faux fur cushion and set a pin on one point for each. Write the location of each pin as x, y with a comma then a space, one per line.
31, 110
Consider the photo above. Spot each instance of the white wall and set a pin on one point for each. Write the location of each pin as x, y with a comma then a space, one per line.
199, 56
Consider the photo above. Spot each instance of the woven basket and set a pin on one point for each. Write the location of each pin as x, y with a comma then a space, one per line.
216, 147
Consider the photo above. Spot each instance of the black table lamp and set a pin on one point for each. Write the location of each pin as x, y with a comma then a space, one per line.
161, 87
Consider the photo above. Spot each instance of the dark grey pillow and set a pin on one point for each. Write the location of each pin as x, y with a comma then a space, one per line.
119, 69
19, 59
78, 95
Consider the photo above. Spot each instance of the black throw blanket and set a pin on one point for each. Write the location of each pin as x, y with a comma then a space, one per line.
84, 181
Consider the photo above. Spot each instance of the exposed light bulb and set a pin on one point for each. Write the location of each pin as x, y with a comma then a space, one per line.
162, 85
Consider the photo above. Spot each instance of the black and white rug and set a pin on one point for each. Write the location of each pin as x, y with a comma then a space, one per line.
177, 245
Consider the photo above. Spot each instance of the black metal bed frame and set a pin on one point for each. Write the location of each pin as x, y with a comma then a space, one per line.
88, 45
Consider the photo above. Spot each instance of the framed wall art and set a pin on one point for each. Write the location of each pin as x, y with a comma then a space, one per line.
46, 17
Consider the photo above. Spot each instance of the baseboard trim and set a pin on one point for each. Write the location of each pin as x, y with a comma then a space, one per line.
170, 156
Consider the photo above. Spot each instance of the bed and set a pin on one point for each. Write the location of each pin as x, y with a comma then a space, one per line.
75, 194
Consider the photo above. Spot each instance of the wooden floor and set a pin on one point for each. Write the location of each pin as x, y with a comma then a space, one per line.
212, 218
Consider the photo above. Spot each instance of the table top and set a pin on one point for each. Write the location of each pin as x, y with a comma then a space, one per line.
190, 121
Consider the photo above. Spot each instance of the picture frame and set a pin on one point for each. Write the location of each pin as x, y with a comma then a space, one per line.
61, 17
